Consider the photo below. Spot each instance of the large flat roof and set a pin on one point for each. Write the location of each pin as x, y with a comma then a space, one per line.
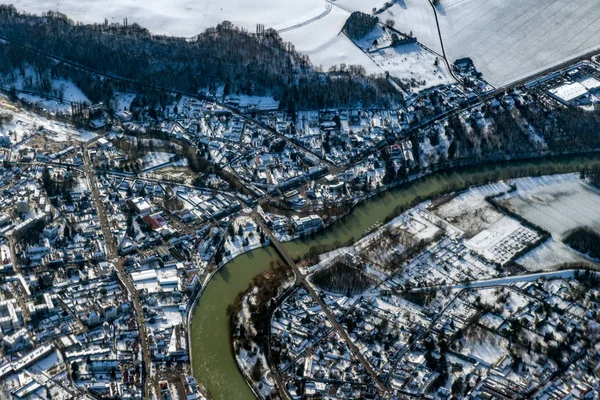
569, 91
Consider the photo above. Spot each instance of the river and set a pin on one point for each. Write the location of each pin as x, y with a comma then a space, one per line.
213, 362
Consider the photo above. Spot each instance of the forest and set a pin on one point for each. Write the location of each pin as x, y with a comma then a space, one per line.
225, 56
585, 240
343, 279
360, 24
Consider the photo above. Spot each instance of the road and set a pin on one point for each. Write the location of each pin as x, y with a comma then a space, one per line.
245, 118
301, 280
112, 254
563, 274
328, 8
439, 30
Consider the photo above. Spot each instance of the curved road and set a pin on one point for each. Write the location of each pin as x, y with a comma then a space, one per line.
308, 21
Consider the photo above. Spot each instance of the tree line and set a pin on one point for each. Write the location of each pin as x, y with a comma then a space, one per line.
253, 64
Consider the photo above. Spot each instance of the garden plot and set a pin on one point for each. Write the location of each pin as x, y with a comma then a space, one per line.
501, 241
444, 263
512, 39
558, 203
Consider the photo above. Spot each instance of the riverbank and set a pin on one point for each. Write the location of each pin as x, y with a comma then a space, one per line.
250, 326
213, 363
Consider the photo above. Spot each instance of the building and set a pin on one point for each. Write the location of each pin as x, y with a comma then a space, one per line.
22, 205
570, 93
306, 224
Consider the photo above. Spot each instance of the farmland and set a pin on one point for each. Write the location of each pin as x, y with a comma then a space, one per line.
181, 17
558, 204
509, 40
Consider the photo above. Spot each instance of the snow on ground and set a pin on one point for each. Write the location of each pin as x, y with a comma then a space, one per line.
469, 211
46, 363
557, 203
412, 64
123, 101
155, 158
326, 46
264, 103
246, 236
25, 124
182, 17
486, 238
414, 16
549, 255
260, 102
61, 88
491, 321
487, 347
507, 39
170, 316
565, 274
313, 26
50, 105
70, 91
512, 39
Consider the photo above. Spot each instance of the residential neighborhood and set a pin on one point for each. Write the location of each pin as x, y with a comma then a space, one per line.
244, 211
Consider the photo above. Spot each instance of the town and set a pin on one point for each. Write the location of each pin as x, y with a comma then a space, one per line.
116, 216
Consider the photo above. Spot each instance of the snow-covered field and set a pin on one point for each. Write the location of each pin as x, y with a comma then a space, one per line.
182, 17
507, 39
557, 203
25, 124
549, 255
511, 39
324, 43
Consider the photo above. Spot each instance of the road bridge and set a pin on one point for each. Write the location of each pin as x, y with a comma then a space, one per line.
301, 280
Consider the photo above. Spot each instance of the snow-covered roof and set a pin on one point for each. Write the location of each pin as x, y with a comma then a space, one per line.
569, 91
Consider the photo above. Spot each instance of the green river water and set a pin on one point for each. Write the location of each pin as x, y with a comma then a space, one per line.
213, 363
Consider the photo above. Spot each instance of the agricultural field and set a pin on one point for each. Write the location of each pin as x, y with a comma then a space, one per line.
548, 255
507, 39
512, 39
181, 17
558, 204
326, 46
